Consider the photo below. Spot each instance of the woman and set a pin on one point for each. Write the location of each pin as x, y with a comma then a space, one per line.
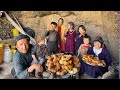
102, 53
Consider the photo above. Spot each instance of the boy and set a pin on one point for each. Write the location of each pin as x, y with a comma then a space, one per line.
52, 39
84, 47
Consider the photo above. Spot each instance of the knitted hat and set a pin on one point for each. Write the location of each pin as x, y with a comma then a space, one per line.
21, 36
99, 39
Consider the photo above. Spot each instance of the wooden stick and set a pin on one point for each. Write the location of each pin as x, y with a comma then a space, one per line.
17, 21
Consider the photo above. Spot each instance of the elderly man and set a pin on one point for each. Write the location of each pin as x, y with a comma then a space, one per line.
22, 59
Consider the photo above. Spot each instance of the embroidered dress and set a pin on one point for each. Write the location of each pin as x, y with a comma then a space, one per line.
70, 42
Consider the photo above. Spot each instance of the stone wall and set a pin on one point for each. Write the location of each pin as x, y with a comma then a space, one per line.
5, 28
103, 23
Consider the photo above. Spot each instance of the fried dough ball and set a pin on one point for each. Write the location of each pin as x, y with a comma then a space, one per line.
70, 61
53, 70
60, 54
57, 66
73, 71
58, 73
62, 67
103, 62
49, 58
66, 57
70, 67
96, 58
77, 65
91, 56
51, 64
66, 68
75, 61
65, 63
61, 62
61, 73
56, 59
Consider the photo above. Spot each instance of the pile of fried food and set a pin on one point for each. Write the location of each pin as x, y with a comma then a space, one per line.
95, 61
62, 64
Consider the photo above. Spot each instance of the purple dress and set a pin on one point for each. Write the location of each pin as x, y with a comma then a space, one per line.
70, 42
96, 71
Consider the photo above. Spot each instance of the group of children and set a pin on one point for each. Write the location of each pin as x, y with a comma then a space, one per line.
74, 42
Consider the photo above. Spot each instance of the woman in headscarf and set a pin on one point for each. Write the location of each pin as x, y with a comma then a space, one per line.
98, 50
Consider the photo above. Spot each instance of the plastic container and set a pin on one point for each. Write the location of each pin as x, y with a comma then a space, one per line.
7, 53
15, 32
1, 52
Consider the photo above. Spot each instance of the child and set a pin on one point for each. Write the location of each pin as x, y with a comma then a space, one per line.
70, 39
79, 37
61, 33
39, 52
52, 39
84, 47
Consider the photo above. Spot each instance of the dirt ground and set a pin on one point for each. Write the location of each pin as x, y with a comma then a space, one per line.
6, 70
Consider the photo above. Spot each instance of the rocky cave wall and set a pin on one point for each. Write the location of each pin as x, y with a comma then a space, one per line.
102, 23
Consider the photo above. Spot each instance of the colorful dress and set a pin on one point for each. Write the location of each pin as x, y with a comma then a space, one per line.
61, 31
70, 42
95, 71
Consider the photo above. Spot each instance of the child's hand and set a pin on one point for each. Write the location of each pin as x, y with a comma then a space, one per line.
80, 35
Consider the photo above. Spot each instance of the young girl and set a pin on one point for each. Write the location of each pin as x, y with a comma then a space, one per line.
39, 53
70, 39
79, 37
84, 47
102, 53
61, 32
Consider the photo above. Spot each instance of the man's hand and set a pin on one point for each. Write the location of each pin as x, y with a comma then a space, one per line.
36, 67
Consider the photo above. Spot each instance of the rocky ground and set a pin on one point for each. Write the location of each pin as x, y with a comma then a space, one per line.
6, 70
